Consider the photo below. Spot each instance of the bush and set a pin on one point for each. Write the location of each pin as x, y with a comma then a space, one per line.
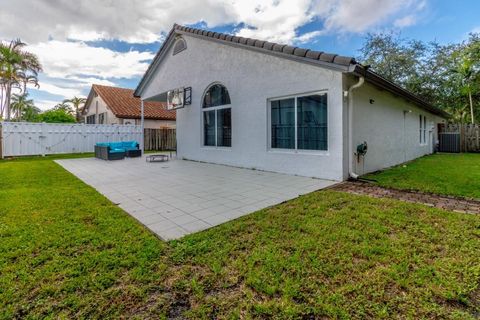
56, 116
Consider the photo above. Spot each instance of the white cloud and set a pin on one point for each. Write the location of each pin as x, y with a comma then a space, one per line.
357, 16
70, 67
144, 21
56, 29
63, 59
59, 90
272, 20
140, 21
45, 104
306, 37
405, 21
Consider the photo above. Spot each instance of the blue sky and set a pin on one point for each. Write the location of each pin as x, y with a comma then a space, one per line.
95, 41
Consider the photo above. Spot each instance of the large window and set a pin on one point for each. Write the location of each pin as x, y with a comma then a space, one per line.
299, 123
91, 119
217, 117
102, 118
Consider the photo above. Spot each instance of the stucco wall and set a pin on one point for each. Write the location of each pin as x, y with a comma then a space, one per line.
390, 126
251, 79
102, 107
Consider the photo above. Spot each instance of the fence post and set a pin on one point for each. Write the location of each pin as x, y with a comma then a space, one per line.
1, 141
462, 138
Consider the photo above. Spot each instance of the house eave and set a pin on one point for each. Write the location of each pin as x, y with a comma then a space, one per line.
381, 82
146, 118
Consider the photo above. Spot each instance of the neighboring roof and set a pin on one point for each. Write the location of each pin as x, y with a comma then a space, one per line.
124, 105
329, 60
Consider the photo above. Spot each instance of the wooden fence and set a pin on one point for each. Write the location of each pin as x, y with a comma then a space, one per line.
160, 139
466, 136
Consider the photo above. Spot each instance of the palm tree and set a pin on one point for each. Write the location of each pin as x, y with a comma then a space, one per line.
20, 104
76, 103
64, 107
30, 113
459, 113
466, 74
17, 69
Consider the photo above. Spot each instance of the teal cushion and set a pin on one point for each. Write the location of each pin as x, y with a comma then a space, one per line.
116, 145
129, 145
123, 145
116, 150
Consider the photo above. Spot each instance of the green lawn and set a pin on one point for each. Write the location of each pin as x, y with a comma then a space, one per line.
446, 174
67, 252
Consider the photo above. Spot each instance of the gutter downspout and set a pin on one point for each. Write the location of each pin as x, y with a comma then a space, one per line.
142, 124
360, 82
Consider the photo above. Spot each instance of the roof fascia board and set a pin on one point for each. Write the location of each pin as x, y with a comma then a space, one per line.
146, 118
88, 101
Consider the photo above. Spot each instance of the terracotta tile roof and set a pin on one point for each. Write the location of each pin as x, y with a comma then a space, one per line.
124, 105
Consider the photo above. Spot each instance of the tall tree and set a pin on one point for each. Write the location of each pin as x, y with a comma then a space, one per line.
445, 75
393, 57
63, 106
30, 113
77, 103
20, 104
467, 71
18, 68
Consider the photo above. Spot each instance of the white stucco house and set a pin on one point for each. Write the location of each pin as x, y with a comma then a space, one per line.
114, 105
257, 104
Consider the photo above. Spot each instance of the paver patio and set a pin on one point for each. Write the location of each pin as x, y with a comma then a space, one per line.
179, 197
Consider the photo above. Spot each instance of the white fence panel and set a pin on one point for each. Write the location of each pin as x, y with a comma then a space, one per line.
25, 138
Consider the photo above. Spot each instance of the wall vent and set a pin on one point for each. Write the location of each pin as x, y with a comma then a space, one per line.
179, 46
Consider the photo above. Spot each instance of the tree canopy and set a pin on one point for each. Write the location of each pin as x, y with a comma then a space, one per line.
448, 76
56, 116
18, 68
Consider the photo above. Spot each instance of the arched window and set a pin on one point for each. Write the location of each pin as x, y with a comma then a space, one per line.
217, 117
216, 95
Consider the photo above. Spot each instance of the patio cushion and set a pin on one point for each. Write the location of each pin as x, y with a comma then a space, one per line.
115, 145
117, 150
122, 145
130, 145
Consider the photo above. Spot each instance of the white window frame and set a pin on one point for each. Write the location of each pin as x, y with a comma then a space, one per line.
296, 150
202, 126
422, 130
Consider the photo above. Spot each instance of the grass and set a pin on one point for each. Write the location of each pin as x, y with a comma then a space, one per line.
67, 252
445, 174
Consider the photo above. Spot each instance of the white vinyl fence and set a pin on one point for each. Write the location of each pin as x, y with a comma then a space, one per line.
25, 138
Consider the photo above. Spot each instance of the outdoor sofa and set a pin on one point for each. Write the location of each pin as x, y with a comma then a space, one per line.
117, 150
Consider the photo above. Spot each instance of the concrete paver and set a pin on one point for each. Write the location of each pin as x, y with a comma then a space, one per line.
179, 197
